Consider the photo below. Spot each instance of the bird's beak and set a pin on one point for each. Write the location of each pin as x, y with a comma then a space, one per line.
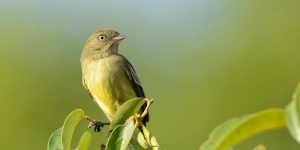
119, 38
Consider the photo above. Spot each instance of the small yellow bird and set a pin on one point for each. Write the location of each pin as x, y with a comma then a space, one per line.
108, 76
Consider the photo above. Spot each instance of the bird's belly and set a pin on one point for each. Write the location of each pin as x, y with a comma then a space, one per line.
109, 86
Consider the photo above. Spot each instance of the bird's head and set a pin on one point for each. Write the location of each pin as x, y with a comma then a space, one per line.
103, 42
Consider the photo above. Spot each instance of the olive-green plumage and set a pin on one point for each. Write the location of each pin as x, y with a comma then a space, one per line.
108, 76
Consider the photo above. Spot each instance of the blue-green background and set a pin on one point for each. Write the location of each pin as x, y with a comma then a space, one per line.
203, 61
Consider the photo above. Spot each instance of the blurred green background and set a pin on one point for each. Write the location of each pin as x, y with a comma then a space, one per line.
203, 61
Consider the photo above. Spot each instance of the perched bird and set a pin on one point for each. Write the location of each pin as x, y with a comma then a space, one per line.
108, 76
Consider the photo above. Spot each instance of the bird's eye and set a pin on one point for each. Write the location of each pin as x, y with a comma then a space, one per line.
101, 37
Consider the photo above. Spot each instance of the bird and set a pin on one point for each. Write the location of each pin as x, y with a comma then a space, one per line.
109, 78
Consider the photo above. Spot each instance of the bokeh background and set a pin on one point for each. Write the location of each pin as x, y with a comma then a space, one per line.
203, 61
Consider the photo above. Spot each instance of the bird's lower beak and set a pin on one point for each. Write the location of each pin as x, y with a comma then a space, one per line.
119, 38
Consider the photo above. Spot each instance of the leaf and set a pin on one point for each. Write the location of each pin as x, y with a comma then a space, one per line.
237, 129
260, 147
125, 111
69, 126
61, 138
292, 114
55, 142
147, 141
121, 135
134, 144
85, 141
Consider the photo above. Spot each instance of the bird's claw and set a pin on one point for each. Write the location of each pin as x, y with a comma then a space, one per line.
98, 125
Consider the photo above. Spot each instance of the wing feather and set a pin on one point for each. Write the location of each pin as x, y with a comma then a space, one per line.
137, 86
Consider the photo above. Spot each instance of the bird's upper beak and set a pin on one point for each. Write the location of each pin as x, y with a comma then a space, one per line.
119, 38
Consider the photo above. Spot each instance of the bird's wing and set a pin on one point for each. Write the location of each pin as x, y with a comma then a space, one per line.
137, 86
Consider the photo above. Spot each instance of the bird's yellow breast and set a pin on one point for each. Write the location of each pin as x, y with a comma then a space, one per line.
108, 83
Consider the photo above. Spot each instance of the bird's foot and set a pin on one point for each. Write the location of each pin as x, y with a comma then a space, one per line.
98, 125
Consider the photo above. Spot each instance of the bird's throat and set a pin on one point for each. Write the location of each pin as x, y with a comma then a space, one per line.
114, 48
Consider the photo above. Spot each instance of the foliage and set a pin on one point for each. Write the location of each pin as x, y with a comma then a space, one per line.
235, 130
121, 135
293, 114
123, 127
124, 134
61, 138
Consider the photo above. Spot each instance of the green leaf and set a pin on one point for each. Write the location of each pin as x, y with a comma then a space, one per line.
260, 147
147, 141
121, 136
69, 126
125, 111
55, 142
292, 115
85, 141
134, 144
237, 129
